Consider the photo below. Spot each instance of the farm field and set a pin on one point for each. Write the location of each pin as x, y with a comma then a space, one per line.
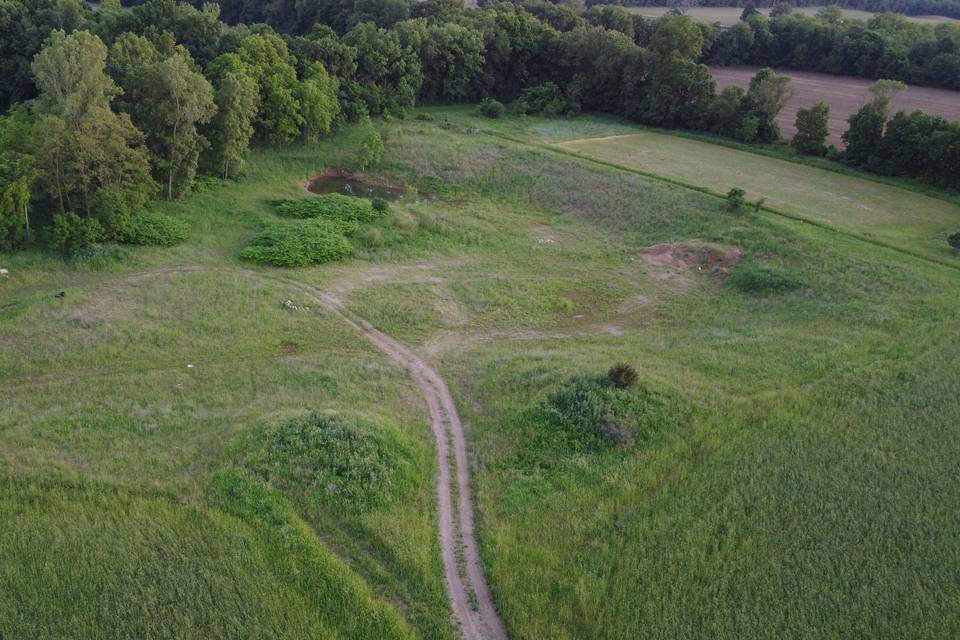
845, 95
729, 16
798, 388
906, 219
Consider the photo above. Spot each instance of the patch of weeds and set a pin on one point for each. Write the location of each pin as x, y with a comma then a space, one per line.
332, 206
762, 279
344, 464
101, 256
297, 244
152, 228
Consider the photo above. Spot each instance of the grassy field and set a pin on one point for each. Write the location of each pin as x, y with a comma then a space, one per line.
801, 482
729, 16
872, 209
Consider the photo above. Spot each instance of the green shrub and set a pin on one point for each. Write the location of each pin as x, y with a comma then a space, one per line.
491, 108
112, 210
371, 148
297, 244
151, 228
622, 375
332, 206
736, 198
380, 205
546, 99
70, 233
762, 279
954, 241
342, 464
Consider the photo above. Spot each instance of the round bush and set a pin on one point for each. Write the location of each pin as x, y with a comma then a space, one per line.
297, 244
954, 241
491, 108
622, 375
380, 205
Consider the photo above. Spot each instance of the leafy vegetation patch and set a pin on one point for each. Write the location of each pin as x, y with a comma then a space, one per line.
297, 244
157, 229
340, 463
332, 206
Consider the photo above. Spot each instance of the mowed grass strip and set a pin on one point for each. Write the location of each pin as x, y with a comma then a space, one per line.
909, 220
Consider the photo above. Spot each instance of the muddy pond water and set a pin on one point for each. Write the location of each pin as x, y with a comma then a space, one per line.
351, 186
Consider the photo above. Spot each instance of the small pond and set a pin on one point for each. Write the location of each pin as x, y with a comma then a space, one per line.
351, 186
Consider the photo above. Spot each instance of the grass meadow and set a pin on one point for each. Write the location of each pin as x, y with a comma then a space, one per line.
803, 483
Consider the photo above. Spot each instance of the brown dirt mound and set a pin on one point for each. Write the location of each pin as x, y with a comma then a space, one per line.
692, 255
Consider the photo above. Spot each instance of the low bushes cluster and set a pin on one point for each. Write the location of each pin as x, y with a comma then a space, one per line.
762, 279
339, 463
333, 206
156, 229
491, 108
546, 99
297, 244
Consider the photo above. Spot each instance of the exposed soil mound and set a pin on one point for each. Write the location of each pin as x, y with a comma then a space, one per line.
693, 255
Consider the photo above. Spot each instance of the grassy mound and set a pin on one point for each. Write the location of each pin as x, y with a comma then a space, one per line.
332, 206
351, 465
595, 410
297, 244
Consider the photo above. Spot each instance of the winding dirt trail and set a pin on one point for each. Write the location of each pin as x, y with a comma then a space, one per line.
467, 587
465, 579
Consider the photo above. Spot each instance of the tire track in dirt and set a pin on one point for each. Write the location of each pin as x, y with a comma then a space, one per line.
467, 586
455, 524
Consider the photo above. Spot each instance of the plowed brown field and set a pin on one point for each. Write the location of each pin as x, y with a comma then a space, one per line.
844, 95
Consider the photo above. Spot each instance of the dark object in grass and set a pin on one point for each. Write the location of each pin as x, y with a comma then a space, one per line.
736, 198
622, 375
62, 294
380, 205
954, 241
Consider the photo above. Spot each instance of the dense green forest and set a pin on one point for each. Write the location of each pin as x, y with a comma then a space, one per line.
949, 8
108, 108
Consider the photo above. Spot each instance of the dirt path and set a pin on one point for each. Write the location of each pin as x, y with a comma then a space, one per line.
466, 583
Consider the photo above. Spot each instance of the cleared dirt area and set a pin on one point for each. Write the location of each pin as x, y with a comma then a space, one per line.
729, 16
844, 94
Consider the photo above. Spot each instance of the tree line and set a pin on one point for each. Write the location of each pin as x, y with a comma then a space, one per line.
886, 46
947, 8
108, 108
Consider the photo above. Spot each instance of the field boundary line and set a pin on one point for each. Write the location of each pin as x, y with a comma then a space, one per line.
722, 196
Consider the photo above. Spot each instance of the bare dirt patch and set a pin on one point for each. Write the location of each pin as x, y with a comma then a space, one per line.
844, 94
693, 255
